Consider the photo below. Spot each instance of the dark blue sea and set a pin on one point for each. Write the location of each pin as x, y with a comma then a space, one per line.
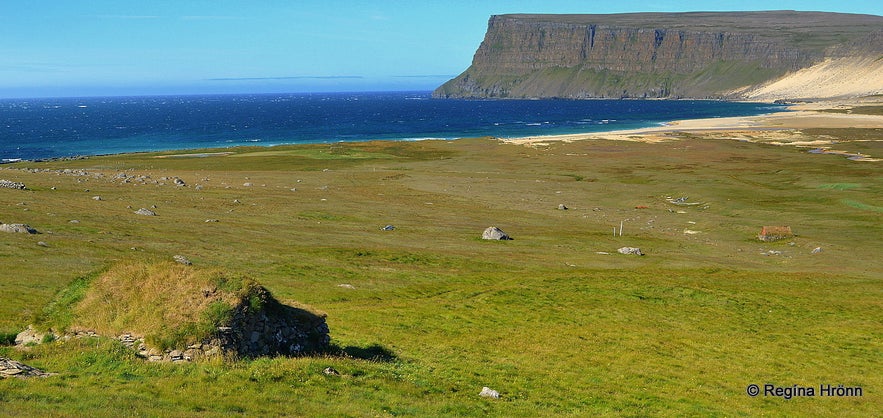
49, 128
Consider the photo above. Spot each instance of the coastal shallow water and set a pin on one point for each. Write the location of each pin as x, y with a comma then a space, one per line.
64, 127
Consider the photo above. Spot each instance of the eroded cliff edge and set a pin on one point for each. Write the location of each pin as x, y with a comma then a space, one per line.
729, 55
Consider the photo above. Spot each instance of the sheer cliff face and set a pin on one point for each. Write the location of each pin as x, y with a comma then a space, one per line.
697, 55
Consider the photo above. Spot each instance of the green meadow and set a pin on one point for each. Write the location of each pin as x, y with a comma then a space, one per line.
556, 319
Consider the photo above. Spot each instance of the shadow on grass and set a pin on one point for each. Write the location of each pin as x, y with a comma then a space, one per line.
374, 352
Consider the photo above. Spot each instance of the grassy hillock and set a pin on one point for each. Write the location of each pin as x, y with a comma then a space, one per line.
169, 305
427, 314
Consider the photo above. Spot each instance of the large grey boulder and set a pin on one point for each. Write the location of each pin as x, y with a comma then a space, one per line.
494, 233
630, 250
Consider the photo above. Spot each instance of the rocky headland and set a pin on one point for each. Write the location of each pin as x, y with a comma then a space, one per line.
775, 55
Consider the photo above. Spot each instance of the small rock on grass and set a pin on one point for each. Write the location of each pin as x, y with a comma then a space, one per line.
494, 233
487, 392
18, 228
182, 260
630, 250
145, 212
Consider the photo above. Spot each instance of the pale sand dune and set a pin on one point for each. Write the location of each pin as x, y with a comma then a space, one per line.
833, 78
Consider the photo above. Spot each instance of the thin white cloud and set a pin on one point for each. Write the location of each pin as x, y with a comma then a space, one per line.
426, 76
34, 67
211, 17
299, 77
128, 17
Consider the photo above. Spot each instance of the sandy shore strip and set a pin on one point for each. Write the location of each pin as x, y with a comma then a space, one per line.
197, 155
800, 116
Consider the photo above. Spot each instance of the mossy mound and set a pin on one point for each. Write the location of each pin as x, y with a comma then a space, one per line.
171, 307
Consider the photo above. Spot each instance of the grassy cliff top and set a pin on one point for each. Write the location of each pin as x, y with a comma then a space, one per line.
819, 29
759, 21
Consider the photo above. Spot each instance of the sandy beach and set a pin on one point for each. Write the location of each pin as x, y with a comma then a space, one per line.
780, 128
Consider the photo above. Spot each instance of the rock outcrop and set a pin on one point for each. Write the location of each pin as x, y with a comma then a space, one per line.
660, 55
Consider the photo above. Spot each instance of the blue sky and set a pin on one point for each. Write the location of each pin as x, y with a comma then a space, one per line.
124, 47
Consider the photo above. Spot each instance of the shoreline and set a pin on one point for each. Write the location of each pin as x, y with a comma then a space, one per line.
798, 116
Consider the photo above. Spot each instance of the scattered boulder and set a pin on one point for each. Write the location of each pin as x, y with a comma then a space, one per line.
179, 182
329, 371
42, 244
17, 228
630, 250
176, 355
12, 368
817, 250
775, 233
6, 184
561, 206
145, 212
388, 228
487, 392
180, 259
98, 198
494, 233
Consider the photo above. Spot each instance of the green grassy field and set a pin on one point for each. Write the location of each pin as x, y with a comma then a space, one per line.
555, 320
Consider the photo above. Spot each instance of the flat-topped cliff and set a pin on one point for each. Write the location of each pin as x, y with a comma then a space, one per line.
670, 55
